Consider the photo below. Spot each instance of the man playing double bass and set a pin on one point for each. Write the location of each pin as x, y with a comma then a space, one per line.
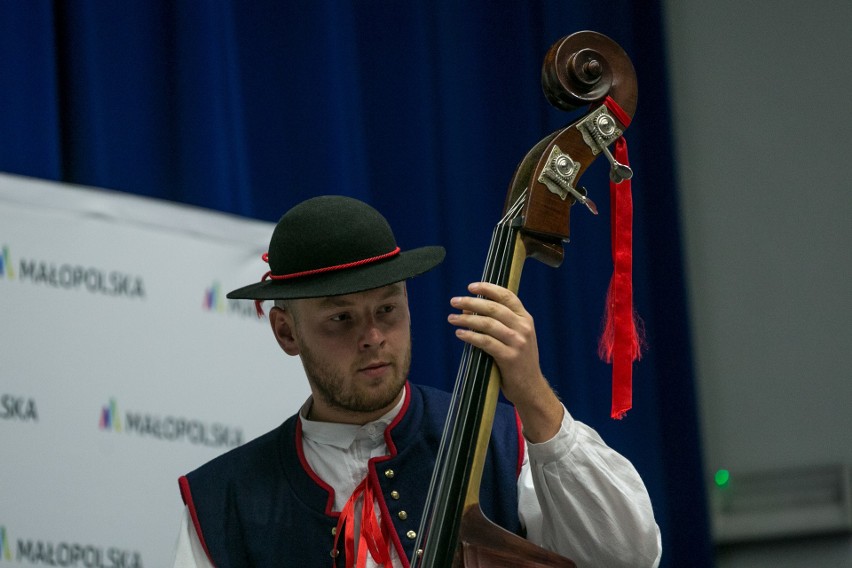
343, 482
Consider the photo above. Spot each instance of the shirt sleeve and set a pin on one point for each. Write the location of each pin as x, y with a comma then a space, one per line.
581, 499
188, 552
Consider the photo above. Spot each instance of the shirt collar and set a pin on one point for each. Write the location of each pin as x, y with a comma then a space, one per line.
343, 435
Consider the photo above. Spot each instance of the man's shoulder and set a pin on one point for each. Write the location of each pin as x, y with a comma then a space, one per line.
252, 457
430, 392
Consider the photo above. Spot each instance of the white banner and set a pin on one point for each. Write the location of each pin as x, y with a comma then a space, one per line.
122, 367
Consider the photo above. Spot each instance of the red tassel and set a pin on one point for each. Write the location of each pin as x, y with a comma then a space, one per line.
621, 341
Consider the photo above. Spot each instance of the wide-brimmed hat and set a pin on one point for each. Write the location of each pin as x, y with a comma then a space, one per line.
333, 245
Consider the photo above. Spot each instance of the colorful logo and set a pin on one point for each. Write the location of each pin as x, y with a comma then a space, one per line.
6, 264
213, 300
63, 553
4, 544
110, 420
216, 301
170, 428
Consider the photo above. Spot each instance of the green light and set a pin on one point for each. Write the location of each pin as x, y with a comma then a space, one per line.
722, 478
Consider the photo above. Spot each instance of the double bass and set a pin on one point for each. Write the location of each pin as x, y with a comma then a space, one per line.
585, 69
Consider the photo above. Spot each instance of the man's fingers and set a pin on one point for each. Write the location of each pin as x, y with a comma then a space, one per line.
481, 324
498, 294
484, 307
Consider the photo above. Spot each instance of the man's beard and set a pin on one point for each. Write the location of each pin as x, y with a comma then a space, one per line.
328, 382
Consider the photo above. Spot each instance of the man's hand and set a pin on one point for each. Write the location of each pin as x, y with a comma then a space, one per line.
498, 324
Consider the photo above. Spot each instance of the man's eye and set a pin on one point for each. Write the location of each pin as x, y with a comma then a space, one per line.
341, 317
387, 309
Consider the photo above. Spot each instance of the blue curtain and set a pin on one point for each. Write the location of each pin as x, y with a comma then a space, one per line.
421, 108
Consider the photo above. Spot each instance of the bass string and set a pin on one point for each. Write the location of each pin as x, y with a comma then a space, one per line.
472, 365
496, 271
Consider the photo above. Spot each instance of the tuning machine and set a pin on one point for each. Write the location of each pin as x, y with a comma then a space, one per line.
599, 130
559, 174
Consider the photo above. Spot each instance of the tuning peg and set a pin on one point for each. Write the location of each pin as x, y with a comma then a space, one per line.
581, 194
618, 172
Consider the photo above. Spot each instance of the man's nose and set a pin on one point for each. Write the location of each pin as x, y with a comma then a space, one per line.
372, 335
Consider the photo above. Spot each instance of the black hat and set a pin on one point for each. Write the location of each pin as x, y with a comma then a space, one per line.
333, 245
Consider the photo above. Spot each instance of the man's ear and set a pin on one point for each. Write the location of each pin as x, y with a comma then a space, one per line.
284, 327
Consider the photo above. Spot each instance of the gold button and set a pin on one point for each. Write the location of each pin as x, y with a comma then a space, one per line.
402, 515
389, 473
411, 534
334, 553
419, 553
333, 531
394, 494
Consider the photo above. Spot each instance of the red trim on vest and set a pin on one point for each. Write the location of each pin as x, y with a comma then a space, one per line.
329, 505
397, 420
300, 451
186, 494
390, 534
373, 477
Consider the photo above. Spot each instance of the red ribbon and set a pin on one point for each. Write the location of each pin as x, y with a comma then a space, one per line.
373, 535
621, 341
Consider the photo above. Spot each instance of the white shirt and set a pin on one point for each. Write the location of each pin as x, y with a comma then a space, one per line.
576, 496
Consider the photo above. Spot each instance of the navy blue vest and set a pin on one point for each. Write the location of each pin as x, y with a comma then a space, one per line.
261, 505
